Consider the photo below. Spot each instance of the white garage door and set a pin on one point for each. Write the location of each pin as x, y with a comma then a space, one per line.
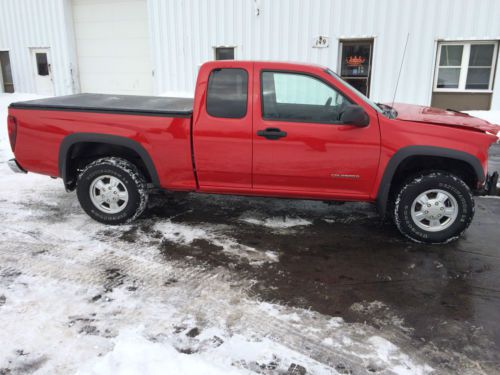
112, 39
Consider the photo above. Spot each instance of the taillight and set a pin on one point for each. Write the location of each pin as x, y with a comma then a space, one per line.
12, 127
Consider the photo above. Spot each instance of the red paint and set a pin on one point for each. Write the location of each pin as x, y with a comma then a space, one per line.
317, 161
222, 146
12, 130
431, 115
305, 160
166, 139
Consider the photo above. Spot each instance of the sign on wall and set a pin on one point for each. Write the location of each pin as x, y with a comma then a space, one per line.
321, 42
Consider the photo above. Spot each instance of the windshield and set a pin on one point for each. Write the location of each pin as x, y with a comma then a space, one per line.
380, 108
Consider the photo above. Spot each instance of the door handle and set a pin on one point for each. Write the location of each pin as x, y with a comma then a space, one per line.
271, 133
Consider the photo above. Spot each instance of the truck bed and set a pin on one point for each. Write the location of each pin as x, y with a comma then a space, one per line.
105, 103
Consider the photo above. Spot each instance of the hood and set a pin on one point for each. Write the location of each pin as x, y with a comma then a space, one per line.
410, 112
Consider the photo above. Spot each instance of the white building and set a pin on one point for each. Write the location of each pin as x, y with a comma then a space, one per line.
155, 46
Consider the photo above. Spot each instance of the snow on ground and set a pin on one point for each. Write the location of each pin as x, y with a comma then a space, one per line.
490, 116
78, 297
278, 222
186, 235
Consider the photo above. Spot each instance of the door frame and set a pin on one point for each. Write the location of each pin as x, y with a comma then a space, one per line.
47, 50
370, 39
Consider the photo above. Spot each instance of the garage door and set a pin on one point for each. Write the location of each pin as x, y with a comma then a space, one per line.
112, 40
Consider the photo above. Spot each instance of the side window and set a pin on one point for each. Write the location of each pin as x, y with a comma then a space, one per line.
300, 97
227, 93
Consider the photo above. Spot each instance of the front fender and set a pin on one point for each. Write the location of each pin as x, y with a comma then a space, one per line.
406, 152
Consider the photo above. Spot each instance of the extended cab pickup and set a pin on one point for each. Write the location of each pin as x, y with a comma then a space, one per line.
262, 129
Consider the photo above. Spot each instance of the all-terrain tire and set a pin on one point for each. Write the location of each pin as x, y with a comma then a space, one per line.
130, 180
440, 181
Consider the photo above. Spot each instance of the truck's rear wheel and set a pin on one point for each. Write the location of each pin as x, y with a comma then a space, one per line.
434, 208
112, 191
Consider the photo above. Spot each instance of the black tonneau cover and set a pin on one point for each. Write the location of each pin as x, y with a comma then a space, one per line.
123, 104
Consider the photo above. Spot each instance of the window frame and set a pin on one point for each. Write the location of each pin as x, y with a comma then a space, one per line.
248, 95
464, 66
227, 47
297, 72
370, 40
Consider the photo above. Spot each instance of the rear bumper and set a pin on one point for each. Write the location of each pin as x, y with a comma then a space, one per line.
14, 165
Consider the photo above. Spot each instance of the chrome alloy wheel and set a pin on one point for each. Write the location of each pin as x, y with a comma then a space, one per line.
434, 210
108, 194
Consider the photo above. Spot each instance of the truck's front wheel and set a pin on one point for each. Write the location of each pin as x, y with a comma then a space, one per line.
112, 191
434, 208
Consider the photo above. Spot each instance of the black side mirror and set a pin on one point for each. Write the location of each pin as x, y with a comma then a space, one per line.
354, 115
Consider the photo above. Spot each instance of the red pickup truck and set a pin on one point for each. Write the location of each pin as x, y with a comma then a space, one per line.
261, 129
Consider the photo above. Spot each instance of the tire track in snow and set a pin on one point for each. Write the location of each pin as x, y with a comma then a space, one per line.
200, 288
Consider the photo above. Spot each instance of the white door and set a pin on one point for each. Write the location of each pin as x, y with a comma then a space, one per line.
113, 46
43, 71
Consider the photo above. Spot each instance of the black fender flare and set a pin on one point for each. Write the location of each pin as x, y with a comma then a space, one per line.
75, 138
406, 152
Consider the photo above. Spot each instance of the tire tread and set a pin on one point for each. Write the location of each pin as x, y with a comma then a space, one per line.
417, 180
133, 172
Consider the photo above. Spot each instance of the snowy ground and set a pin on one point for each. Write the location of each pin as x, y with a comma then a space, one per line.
79, 297
491, 116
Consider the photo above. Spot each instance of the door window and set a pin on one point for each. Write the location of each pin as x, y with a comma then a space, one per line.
300, 97
227, 93
42, 64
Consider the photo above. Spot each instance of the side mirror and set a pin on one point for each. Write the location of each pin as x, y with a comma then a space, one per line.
354, 115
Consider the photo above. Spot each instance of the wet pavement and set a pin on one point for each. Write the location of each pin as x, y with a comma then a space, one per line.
347, 263
354, 267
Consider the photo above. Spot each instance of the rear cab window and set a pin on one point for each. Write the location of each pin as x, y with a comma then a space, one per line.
227, 93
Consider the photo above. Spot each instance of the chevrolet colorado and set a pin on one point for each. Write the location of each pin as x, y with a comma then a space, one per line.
261, 129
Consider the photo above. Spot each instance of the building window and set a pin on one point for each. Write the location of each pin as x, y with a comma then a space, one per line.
227, 93
224, 53
465, 66
356, 63
6, 82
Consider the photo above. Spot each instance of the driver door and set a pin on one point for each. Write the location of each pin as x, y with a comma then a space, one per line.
299, 145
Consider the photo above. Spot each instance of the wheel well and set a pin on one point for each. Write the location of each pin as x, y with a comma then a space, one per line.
414, 165
83, 153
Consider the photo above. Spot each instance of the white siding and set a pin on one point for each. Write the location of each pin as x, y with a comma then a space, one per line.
184, 33
26, 24
113, 45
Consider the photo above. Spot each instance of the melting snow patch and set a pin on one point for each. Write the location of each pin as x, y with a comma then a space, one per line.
133, 354
389, 353
277, 222
380, 314
185, 235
